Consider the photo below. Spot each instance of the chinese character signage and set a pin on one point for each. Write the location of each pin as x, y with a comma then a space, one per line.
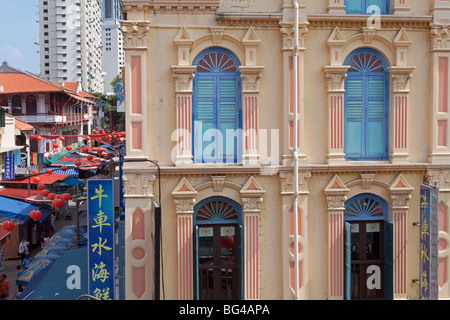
9, 167
101, 238
429, 228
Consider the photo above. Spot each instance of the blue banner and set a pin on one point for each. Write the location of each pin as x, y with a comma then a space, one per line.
100, 199
9, 167
429, 229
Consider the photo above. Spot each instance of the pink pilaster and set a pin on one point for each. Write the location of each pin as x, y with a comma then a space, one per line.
251, 260
185, 256
400, 100
335, 87
400, 219
336, 254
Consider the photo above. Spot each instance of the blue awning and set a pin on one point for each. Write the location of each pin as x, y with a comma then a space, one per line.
16, 209
51, 283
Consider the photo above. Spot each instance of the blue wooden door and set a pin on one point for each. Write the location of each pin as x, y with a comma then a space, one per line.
347, 262
366, 107
361, 6
217, 108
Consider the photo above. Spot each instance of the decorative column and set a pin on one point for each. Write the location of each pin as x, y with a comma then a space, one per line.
400, 191
251, 194
250, 75
335, 75
400, 76
335, 91
335, 193
135, 47
442, 179
440, 56
184, 197
139, 240
287, 38
138, 177
288, 253
183, 73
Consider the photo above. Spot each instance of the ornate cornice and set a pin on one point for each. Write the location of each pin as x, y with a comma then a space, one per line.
248, 19
135, 34
172, 6
287, 182
335, 77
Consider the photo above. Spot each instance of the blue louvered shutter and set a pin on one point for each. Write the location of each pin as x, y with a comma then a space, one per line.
354, 117
228, 117
347, 261
376, 117
362, 6
216, 108
203, 115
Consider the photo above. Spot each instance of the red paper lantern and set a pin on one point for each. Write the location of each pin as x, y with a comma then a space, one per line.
38, 138
35, 179
34, 172
33, 136
62, 138
45, 192
66, 196
84, 149
55, 146
51, 196
68, 148
64, 168
90, 157
57, 203
41, 186
49, 171
8, 225
35, 214
77, 163
88, 138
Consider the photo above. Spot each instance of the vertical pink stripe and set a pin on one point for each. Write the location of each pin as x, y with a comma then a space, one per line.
136, 85
443, 84
442, 133
333, 126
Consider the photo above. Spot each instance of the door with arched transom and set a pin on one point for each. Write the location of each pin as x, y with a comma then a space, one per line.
218, 250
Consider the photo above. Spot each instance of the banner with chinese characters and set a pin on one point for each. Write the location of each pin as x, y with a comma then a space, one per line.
101, 238
9, 167
429, 228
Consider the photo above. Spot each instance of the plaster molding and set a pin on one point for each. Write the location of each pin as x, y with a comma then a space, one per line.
137, 185
134, 34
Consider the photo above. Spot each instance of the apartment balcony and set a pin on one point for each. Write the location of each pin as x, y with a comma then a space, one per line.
51, 118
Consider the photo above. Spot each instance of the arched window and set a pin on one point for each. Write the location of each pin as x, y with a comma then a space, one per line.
217, 108
31, 104
366, 106
218, 249
16, 103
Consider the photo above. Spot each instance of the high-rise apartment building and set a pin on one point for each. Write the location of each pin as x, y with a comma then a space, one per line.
70, 42
112, 41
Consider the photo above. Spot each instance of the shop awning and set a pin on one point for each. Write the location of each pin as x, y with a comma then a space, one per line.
17, 209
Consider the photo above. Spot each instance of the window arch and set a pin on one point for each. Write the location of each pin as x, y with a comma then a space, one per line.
217, 107
16, 104
218, 262
366, 101
31, 103
365, 206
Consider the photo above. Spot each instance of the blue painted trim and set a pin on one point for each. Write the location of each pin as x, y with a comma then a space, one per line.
216, 77
364, 217
365, 77
384, 10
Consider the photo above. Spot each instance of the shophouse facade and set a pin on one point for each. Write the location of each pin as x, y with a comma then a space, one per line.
210, 95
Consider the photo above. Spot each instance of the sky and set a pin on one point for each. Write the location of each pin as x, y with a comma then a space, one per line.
19, 33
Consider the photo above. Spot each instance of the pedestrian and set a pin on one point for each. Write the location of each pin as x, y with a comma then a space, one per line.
4, 287
23, 248
26, 262
19, 273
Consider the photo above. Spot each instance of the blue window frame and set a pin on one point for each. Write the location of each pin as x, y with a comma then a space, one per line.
218, 254
217, 108
366, 127
367, 6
